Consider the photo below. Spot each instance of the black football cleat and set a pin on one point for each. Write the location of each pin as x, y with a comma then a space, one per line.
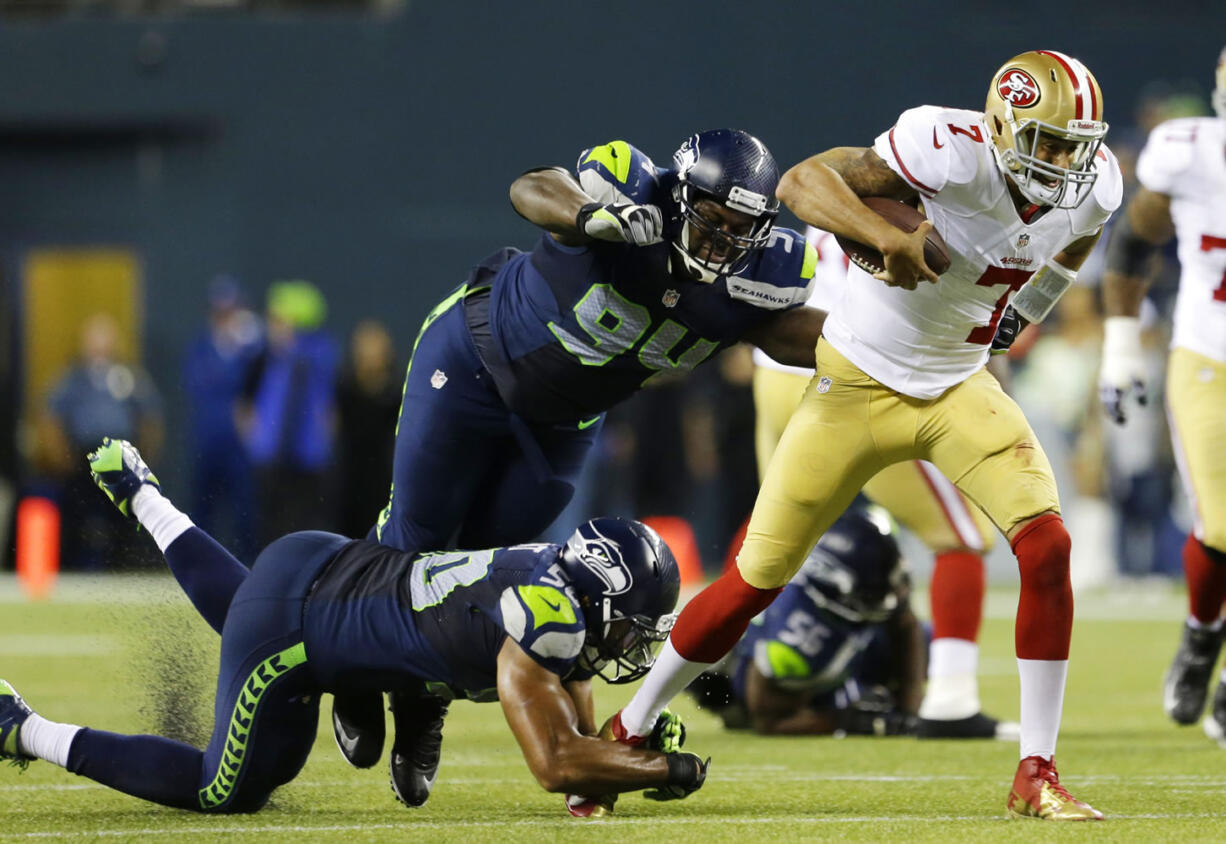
357, 724
417, 747
977, 726
1214, 724
1187, 680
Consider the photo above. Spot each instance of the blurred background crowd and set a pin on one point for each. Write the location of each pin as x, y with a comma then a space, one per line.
225, 221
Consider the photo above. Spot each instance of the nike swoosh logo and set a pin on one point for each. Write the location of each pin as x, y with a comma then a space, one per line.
587, 423
555, 607
935, 145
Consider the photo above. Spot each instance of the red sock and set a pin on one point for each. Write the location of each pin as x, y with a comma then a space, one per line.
956, 593
1206, 580
715, 619
1045, 606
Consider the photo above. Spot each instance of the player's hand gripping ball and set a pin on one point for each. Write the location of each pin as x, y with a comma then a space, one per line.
901, 216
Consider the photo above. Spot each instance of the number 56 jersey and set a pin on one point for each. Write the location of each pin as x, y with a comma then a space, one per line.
922, 342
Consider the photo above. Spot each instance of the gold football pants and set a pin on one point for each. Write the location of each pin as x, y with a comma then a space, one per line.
1196, 405
849, 427
914, 492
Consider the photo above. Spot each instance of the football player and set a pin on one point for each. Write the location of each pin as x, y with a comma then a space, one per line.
528, 625
1182, 173
839, 651
1020, 193
640, 270
926, 503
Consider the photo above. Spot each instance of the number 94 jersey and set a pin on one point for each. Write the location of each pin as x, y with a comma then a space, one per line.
576, 329
378, 617
922, 342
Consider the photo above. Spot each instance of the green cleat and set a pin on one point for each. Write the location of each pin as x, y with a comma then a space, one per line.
119, 471
13, 713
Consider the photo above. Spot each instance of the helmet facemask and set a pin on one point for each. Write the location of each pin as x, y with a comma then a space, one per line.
623, 648
1072, 184
735, 247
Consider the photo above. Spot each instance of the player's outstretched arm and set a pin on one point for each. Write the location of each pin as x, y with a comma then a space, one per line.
1132, 254
543, 717
552, 199
790, 337
825, 191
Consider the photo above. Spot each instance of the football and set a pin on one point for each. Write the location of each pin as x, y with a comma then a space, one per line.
901, 216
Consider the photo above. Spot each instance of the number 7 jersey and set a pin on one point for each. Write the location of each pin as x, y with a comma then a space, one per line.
922, 342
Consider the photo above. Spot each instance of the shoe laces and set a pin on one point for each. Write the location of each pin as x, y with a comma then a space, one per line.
1047, 773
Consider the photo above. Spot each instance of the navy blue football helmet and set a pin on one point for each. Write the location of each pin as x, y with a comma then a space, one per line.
856, 569
736, 170
627, 581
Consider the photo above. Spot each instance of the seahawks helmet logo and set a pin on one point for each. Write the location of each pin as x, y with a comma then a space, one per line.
1018, 88
603, 558
685, 158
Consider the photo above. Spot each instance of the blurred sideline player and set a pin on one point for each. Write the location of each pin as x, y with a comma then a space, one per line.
927, 504
528, 625
1182, 172
639, 270
1020, 193
840, 650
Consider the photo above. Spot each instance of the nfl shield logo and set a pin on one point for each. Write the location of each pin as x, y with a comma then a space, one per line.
438, 379
671, 298
1023, 240
823, 384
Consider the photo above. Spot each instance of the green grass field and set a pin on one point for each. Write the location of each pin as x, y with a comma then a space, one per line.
130, 656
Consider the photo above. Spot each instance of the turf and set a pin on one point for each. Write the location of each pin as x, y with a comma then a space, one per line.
125, 656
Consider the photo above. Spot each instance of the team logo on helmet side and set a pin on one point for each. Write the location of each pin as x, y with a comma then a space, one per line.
686, 157
1018, 88
603, 558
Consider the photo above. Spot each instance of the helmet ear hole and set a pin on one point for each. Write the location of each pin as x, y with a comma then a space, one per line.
1000, 127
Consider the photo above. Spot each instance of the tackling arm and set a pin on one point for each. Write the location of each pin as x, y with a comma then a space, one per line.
551, 198
825, 191
547, 725
790, 337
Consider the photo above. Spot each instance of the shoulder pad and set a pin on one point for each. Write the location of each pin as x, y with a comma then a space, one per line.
782, 277
618, 172
545, 622
1109, 186
1169, 154
923, 147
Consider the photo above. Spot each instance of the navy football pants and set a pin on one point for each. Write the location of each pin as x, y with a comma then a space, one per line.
266, 710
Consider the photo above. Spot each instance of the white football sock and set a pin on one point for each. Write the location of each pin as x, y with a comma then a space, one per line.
1196, 624
1042, 682
953, 686
163, 520
47, 740
671, 673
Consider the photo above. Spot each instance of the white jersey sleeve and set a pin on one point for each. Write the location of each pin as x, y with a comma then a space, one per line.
1168, 160
925, 149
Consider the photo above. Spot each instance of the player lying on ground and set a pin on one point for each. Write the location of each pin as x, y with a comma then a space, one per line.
527, 625
839, 651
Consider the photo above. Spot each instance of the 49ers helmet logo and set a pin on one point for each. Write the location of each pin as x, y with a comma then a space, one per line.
1018, 88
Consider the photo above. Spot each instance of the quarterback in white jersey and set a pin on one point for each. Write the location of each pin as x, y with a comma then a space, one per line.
1182, 172
925, 502
1020, 193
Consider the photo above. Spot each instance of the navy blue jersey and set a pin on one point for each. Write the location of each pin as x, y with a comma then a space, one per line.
378, 616
801, 647
578, 329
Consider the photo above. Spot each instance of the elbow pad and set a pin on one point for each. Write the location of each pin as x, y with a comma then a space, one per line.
1039, 295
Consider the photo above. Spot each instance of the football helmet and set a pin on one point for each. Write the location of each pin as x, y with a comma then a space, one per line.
627, 581
1045, 93
856, 569
736, 170
1219, 90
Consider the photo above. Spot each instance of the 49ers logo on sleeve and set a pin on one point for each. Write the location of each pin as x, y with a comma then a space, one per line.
1018, 88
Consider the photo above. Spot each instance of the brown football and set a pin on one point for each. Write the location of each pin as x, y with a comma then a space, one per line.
901, 216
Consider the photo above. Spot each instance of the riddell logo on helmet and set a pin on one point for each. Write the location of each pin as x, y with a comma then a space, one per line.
1018, 88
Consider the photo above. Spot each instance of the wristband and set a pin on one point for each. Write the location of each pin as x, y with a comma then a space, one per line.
1121, 335
1039, 295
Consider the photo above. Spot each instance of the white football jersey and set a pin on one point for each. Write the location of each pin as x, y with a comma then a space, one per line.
1186, 160
922, 342
829, 282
